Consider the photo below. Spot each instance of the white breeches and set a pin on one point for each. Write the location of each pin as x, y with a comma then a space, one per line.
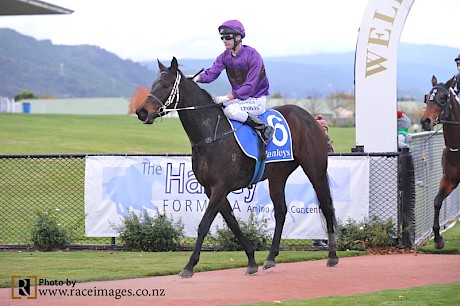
239, 109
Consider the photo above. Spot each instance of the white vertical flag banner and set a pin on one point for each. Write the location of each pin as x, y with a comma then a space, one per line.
375, 74
117, 185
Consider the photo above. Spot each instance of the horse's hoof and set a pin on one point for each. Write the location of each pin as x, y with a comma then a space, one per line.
332, 261
269, 264
439, 244
252, 270
185, 274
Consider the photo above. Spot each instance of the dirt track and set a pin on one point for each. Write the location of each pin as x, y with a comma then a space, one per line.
301, 280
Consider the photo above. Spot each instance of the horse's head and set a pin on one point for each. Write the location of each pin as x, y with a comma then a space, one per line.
437, 103
164, 93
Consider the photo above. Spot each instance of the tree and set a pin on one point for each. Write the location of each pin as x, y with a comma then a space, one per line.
340, 101
314, 105
24, 96
139, 95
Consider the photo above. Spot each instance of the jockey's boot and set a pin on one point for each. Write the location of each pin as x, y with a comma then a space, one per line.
265, 131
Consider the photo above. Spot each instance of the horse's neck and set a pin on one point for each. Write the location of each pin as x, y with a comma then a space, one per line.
202, 123
452, 129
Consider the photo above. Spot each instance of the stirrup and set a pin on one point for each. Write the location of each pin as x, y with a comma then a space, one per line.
266, 134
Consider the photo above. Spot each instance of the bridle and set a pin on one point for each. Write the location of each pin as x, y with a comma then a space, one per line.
442, 103
173, 95
445, 107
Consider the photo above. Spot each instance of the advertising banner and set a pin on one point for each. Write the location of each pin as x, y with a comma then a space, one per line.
375, 74
116, 185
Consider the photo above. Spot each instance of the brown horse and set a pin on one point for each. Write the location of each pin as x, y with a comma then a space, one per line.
221, 167
442, 107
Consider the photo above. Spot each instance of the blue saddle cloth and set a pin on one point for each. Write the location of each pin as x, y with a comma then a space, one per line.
279, 149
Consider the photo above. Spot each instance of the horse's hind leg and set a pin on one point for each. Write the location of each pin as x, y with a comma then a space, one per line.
279, 201
232, 223
445, 188
323, 194
319, 179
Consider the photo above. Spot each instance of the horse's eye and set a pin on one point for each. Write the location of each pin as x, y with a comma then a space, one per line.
426, 99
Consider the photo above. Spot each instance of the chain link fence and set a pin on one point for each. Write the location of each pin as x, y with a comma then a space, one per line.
426, 150
56, 184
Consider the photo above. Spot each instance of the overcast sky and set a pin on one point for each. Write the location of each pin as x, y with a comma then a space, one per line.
146, 29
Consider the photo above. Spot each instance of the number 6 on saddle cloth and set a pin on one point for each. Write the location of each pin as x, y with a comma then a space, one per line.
277, 150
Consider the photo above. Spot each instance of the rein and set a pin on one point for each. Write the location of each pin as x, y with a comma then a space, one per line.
191, 107
175, 95
216, 137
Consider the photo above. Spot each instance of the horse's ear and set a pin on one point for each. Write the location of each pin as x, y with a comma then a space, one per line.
434, 81
174, 64
451, 82
161, 66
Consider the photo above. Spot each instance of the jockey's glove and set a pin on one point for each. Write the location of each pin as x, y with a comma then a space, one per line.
220, 99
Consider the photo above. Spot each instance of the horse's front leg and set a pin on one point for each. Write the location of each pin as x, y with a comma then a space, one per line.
203, 229
438, 240
232, 223
445, 188
279, 202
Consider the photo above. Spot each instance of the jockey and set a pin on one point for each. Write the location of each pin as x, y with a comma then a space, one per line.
457, 83
246, 72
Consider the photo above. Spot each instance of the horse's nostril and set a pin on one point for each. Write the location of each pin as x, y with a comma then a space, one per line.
141, 113
426, 124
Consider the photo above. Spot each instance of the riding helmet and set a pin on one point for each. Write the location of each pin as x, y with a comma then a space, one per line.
232, 27
457, 60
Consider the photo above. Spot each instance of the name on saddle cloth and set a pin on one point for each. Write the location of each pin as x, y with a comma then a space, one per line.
279, 149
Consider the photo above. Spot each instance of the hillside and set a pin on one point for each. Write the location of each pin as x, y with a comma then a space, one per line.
65, 71
89, 71
300, 76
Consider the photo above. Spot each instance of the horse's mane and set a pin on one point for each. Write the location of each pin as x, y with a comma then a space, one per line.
206, 93
202, 91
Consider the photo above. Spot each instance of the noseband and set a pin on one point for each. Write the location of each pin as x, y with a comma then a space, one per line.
173, 95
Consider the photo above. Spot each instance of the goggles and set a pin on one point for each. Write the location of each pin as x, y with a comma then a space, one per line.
227, 36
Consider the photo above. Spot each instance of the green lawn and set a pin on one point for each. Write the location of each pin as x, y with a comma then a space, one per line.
72, 134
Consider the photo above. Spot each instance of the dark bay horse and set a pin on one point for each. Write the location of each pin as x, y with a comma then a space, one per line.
442, 107
221, 167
